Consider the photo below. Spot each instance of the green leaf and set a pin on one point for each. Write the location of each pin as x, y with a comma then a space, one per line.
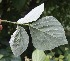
18, 4
61, 57
19, 41
47, 59
47, 33
4, 52
38, 55
1, 56
68, 57
5, 59
10, 58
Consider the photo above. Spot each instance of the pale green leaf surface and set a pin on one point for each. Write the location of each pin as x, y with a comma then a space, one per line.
1, 56
38, 55
19, 41
47, 33
68, 57
47, 59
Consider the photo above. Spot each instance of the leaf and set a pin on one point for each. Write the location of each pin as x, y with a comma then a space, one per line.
47, 33
5, 52
10, 58
61, 57
6, 55
33, 15
38, 55
13, 58
68, 57
18, 4
0, 1
1, 56
19, 41
5, 59
47, 59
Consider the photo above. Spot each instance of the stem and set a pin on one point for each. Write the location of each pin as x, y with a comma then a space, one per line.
13, 22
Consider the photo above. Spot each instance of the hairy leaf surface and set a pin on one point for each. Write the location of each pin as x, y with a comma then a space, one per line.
47, 33
19, 41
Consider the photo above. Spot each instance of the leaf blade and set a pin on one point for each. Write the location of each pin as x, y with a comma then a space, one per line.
33, 15
47, 33
38, 55
18, 41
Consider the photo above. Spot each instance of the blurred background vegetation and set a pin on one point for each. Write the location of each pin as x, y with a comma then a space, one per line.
12, 10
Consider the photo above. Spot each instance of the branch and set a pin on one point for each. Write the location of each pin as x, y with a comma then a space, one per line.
13, 22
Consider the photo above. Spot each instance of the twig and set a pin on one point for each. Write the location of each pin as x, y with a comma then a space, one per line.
13, 22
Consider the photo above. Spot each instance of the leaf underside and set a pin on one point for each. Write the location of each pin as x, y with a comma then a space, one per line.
33, 15
47, 33
19, 41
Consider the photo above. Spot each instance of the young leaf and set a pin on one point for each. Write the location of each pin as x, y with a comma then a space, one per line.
47, 33
38, 55
33, 15
19, 41
1, 56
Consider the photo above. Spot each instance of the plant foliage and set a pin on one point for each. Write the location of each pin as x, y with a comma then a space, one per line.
12, 10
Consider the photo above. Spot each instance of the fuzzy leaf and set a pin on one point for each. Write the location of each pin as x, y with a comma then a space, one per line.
47, 33
33, 15
19, 41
